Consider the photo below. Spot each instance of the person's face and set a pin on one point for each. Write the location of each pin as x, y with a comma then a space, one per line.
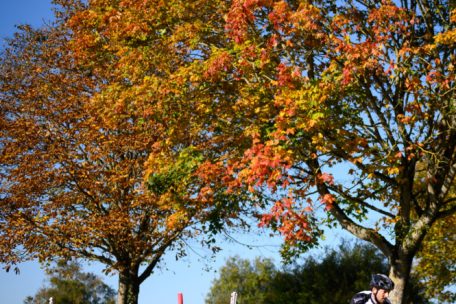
380, 295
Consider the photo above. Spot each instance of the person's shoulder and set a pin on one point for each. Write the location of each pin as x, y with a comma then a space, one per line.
361, 297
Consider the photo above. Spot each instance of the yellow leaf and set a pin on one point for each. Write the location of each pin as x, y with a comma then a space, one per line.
393, 170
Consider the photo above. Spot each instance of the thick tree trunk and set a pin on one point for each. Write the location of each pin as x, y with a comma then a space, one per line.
400, 269
128, 292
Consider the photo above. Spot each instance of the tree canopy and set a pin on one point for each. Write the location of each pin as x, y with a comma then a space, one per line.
78, 180
331, 111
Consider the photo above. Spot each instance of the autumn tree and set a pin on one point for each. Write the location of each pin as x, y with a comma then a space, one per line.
345, 98
324, 107
81, 177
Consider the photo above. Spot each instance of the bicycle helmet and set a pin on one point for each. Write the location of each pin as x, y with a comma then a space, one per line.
381, 281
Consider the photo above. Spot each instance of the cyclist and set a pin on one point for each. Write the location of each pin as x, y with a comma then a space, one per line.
381, 285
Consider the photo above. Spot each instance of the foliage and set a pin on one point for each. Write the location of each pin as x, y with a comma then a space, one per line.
334, 105
82, 177
68, 285
333, 277
317, 107
250, 279
436, 261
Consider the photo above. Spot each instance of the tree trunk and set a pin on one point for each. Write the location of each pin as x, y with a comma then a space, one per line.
400, 269
128, 292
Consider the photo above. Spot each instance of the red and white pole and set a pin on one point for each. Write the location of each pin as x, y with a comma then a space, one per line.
180, 298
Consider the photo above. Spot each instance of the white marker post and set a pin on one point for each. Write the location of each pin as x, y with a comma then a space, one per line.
233, 299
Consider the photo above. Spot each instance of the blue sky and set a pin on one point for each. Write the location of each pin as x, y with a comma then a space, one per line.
13, 12
189, 276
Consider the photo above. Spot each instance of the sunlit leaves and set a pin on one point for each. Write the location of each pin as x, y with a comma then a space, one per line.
175, 175
305, 107
436, 261
99, 153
